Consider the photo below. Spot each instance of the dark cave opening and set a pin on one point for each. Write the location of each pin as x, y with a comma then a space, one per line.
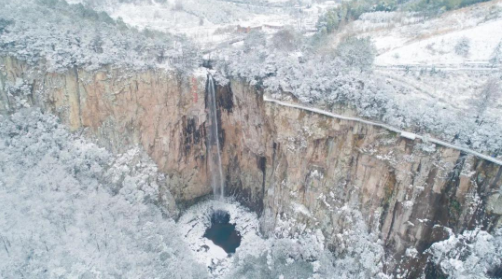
222, 232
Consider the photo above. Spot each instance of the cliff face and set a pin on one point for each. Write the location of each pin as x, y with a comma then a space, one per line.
162, 112
405, 192
296, 169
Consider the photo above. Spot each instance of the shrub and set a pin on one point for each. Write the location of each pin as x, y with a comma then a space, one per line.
463, 46
255, 38
496, 57
4, 23
285, 40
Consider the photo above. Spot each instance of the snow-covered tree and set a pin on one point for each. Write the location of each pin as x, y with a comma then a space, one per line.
471, 254
488, 96
463, 46
69, 209
68, 36
496, 56
357, 52
254, 39
286, 40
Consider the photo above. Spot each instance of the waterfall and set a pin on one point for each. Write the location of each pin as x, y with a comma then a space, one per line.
214, 153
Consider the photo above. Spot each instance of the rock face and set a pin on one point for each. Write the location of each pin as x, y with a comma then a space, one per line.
292, 167
158, 111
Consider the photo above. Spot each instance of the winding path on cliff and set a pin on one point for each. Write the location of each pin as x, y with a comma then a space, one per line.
405, 134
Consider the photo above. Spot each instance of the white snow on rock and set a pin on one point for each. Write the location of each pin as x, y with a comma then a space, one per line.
471, 254
194, 222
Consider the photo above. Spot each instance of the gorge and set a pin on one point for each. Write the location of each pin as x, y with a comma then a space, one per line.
298, 171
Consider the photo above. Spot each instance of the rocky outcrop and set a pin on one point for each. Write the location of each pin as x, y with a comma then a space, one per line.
409, 193
293, 167
159, 111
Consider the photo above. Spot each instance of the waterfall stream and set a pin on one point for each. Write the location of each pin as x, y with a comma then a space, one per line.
214, 152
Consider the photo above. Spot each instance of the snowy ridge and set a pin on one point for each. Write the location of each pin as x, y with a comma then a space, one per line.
65, 36
388, 127
457, 37
213, 24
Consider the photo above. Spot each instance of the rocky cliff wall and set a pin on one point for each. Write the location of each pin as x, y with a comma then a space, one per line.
298, 170
159, 111
410, 192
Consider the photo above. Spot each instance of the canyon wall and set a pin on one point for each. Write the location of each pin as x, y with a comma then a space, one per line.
162, 112
297, 169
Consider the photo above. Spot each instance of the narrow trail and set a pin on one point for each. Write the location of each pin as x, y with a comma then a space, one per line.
405, 134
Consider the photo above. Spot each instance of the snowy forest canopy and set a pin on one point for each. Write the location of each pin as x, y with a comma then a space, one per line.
352, 10
88, 214
122, 198
344, 78
68, 36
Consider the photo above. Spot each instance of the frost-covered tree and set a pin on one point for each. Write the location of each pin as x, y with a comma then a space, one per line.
68, 36
357, 52
254, 39
463, 46
178, 5
69, 209
434, 7
471, 254
284, 258
4, 23
351, 10
496, 56
286, 40
358, 252
488, 96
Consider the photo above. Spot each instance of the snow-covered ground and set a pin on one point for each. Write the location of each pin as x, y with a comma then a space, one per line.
405, 38
194, 222
214, 22
440, 49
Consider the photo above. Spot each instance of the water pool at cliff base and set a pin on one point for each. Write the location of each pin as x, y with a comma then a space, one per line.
222, 232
